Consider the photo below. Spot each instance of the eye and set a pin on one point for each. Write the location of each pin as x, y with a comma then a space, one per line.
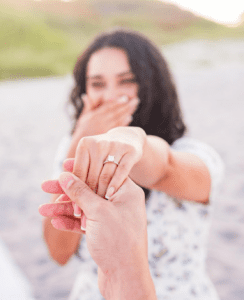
131, 80
97, 84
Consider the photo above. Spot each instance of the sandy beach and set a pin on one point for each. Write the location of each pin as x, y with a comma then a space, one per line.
210, 80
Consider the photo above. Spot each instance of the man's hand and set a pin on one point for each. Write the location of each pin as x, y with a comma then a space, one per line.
116, 232
108, 223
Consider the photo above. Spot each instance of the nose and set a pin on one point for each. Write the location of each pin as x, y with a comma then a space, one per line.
110, 94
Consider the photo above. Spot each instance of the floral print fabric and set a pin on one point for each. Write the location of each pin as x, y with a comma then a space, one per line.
177, 237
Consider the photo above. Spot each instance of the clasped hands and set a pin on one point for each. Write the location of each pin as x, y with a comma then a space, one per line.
124, 143
116, 230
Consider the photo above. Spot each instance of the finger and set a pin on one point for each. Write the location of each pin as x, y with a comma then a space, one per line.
62, 198
127, 109
83, 223
67, 224
52, 187
56, 209
122, 172
77, 210
80, 169
112, 106
81, 162
81, 194
95, 169
87, 103
123, 121
68, 164
105, 177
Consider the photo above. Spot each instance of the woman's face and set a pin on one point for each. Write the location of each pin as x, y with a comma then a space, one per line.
109, 76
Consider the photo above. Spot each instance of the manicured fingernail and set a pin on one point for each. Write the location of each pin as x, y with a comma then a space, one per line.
63, 198
83, 223
129, 119
123, 99
110, 192
66, 180
77, 211
134, 101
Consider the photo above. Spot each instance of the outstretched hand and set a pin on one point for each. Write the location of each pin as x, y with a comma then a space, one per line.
88, 165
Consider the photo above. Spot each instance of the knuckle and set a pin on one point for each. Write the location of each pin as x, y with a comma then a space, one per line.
104, 144
124, 167
92, 184
114, 144
99, 208
78, 173
78, 190
81, 143
105, 178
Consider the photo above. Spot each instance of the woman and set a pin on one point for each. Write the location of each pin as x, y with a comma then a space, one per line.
128, 122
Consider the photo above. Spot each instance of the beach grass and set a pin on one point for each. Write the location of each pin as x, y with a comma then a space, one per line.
41, 44
30, 48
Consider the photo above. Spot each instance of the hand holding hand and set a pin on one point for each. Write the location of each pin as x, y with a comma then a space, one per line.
126, 144
116, 230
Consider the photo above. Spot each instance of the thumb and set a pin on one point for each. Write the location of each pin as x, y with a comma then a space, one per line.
87, 104
80, 193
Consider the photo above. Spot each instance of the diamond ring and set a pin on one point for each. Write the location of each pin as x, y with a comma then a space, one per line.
111, 158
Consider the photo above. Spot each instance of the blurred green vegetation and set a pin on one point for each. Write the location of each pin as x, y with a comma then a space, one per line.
30, 48
41, 43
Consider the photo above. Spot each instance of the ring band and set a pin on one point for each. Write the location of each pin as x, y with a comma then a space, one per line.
111, 158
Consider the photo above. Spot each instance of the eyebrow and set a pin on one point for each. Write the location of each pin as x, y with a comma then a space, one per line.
118, 75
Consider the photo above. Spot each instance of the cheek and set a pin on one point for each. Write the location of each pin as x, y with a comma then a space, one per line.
130, 90
93, 96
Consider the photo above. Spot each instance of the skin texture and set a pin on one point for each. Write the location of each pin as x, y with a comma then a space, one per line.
109, 77
106, 232
102, 130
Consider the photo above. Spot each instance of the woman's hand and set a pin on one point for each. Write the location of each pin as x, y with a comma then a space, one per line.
99, 120
124, 143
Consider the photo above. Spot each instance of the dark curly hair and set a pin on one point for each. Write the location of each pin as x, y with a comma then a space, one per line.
159, 112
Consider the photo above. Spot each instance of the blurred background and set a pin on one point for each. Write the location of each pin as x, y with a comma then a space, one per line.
39, 44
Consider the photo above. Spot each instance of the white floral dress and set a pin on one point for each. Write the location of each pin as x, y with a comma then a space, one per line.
177, 237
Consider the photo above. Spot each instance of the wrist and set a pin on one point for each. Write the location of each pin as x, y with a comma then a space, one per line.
135, 135
133, 282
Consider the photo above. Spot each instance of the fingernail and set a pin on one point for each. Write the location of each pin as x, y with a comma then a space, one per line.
83, 223
129, 119
110, 192
77, 211
66, 180
134, 101
63, 198
123, 99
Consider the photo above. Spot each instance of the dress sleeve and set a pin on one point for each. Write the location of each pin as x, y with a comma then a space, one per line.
60, 156
209, 156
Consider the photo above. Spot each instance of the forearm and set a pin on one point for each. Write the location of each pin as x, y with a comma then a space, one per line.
61, 244
154, 162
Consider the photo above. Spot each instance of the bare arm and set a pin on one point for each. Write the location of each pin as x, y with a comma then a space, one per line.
61, 244
179, 174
